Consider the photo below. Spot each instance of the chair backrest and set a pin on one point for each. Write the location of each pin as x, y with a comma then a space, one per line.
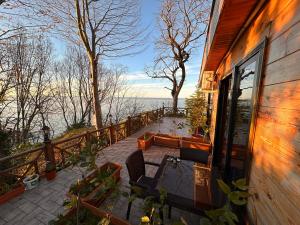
195, 155
135, 165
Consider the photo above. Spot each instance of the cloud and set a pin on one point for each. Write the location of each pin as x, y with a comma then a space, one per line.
136, 76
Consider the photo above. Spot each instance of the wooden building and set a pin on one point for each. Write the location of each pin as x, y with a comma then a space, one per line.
251, 67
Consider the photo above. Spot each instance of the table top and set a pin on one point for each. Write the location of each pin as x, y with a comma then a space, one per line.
189, 185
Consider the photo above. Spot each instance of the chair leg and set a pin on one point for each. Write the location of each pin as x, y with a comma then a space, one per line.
161, 215
128, 210
170, 212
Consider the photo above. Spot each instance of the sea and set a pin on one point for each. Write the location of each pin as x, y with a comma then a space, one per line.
58, 125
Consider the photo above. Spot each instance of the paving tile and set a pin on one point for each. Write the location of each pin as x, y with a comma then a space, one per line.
49, 205
17, 219
10, 214
30, 216
35, 222
45, 217
2, 222
27, 207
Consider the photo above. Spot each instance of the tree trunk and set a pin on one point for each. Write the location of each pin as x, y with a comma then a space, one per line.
96, 102
175, 103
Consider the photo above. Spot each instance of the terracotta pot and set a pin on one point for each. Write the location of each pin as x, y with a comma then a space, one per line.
51, 175
166, 140
90, 198
12, 194
145, 144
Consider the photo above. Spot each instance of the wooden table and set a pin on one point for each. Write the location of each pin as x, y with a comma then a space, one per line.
190, 186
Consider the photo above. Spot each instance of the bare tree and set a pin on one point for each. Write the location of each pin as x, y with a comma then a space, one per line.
182, 23
32, 84
104, 28
72, 88
114, 95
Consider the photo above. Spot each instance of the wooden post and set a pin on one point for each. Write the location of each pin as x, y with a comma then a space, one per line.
147, 118
87, 137
49, 152
112, 134
128, 126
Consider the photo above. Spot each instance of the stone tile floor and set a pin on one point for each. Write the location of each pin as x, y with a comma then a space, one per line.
44, 203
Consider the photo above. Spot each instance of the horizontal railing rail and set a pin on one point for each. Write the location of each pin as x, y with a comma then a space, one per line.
58, 151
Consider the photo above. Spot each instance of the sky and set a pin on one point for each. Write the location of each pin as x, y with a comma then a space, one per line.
140, 84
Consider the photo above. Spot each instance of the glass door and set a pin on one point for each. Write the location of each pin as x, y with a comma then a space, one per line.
238, 94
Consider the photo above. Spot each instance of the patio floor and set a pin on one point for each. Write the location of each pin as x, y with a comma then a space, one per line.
38, 206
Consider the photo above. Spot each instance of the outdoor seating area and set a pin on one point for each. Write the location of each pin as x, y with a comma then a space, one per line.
44, 203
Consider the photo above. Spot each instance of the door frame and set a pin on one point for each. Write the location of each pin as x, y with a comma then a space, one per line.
260, 52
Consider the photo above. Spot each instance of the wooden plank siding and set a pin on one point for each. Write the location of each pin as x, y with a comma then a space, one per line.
275, 171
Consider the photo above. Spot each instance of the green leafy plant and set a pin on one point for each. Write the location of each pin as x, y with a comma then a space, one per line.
85, 161
197, 111
151, 207
86, 186
146, 137
4, 188
237, 196
85, 217
7, 183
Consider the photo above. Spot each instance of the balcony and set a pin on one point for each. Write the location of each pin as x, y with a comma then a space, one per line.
44, 203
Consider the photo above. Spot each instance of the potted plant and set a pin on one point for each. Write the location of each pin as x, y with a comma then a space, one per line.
31, 181
197, 112
99, 182
98, 185
145, 141
166, 140
50, 171
10, 188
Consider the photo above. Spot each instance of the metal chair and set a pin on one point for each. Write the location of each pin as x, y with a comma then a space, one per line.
195, 155
135, 164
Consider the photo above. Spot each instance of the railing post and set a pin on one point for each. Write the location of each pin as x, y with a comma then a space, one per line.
87, 137
163, 110
147, 118
49, 152
112, 134
48, 149
128, 126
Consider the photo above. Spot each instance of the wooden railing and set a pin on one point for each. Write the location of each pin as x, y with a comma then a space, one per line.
58, 152
179, 112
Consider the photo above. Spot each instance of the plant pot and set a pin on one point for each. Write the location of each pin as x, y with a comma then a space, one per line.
114, 220
51, 175
195, 143
12, 194
145, 144
31, 182
166, 140
91, 197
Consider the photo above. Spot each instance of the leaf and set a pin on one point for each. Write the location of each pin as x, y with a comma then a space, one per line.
223, 186
241, 184
183, 221
205, 221
229, 219
236, 198
104, 221
125, 194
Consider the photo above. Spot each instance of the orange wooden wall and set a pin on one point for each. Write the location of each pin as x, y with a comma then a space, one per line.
275, 173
